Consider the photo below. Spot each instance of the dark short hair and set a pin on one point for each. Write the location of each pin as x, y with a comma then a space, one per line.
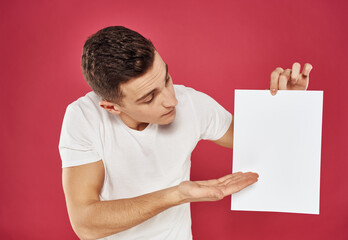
112, 56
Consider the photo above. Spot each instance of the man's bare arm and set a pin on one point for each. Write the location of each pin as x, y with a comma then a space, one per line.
92, 218
227, 139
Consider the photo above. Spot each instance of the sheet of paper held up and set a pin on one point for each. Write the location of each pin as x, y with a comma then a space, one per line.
279, 137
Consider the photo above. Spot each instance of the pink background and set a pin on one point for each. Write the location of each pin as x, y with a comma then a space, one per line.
212, 46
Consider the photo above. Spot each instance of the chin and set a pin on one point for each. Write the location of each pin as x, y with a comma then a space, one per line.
167, 121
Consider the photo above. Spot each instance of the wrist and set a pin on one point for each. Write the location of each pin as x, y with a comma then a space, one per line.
177, 197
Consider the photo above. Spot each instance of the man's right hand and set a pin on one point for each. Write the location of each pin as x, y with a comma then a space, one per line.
215, 189
93, 218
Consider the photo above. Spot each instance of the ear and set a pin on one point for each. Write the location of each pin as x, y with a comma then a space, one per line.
110, 107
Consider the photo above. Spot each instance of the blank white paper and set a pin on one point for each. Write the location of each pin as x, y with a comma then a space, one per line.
279, 137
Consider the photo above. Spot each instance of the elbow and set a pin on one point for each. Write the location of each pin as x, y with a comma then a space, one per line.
82, 225
87, 232
84, 230
83, 233
88, 225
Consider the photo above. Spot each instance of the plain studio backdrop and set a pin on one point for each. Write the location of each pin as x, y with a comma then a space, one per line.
212, 46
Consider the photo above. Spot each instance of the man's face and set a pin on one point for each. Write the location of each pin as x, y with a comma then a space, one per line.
147, 99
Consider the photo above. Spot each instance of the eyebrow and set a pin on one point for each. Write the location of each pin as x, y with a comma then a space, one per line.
154, 90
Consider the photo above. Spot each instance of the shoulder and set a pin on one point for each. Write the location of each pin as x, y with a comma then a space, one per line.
188, 92
193, 95
180, 89
89, 102
85, 111
87, 105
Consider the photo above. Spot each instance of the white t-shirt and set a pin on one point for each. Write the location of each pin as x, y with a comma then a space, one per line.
140, 162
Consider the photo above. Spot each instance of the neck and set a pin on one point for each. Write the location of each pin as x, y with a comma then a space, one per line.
133, 124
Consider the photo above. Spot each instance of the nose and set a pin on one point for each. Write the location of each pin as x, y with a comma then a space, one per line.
169, 99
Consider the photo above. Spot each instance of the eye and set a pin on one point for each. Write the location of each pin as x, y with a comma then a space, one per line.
167, 80
149, 100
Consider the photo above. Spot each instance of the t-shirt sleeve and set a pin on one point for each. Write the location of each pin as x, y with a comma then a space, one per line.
213, 119
76, 146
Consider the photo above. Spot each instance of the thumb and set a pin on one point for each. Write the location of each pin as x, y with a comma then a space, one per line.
214, 192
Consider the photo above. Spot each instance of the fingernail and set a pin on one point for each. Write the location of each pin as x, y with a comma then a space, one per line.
308, 70
273, 91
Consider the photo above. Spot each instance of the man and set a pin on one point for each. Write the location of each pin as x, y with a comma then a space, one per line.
126, 146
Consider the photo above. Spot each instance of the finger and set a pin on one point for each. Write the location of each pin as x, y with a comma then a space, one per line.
295, 72
247, 179
283, 79
307, 69
244, 175
213, 182
210, 182
229, 176
233, 178
236, 186
274, 80
252, 174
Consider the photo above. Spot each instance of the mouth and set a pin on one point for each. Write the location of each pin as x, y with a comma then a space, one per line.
168, 113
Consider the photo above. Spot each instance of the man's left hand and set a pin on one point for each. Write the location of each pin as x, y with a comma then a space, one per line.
290, 79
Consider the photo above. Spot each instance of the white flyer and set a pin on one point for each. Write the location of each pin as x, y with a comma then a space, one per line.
278, 137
